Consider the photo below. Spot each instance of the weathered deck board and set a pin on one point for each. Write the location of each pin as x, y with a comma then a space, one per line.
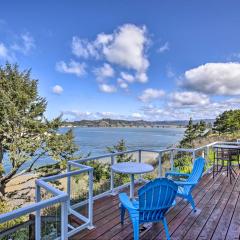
217, 216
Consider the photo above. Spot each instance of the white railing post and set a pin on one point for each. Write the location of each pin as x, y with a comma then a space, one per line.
193, 156
160, 164
112, 176
64, 220
172, 159
69, 185
90, 199
139, 156
38, 214
140, 179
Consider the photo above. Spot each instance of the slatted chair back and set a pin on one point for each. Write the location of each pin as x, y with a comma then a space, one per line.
196, 174
155, 198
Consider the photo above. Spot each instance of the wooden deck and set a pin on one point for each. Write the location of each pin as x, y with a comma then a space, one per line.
217, 216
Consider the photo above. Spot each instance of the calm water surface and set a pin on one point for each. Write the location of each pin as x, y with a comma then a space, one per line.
96, 140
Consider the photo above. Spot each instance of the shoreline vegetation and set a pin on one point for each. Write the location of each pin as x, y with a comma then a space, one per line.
120, 123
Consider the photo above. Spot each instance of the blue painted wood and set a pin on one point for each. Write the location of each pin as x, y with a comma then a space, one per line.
185, 187
155, 199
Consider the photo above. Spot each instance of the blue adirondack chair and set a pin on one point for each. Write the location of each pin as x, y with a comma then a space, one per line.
185, 187
155, 198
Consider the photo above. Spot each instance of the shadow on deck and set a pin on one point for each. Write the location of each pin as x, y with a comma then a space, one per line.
217, 216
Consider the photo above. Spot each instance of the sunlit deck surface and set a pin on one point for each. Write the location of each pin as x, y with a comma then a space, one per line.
217, 215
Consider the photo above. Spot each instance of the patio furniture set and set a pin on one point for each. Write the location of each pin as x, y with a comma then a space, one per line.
157, 196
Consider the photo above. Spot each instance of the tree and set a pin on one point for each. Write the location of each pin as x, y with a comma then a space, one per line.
228, 121
202, 126
189, 135
102, 169
26, 136
120, 147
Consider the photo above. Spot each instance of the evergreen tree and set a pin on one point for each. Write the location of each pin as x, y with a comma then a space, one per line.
25, 134
228, 121
120, 147
189, 135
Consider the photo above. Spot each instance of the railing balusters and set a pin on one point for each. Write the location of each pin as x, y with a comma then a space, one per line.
112, 176
172, 159
64, 220
90, 199
38, 214
160, 164
69, 184
139, 156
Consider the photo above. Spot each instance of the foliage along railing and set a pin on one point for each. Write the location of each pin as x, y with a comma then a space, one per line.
76, 168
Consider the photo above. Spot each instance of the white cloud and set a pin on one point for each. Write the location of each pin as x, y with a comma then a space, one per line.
103, 39
107, 88
83, 48
127, 77
127, 48
4, 52
214, 78
106, 71
57, 89
25, 44
164, 48
122, 84
170, 73
137, 115
78, 115
151, 94
72, 68
187, 99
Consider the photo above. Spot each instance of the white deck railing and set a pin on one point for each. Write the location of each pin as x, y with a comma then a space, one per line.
63, 198
59, 197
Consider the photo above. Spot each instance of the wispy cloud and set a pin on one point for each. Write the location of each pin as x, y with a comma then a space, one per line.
151, 94
73, 67
104, 72
25, 44
107, 88
165, 47
5, 53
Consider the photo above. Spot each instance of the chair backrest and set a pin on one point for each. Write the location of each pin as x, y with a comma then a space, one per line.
197, 171
196, 174
155, 198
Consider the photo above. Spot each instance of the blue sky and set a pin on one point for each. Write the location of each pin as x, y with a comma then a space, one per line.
153, 60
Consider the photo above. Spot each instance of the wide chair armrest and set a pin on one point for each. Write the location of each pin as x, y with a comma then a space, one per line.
182, 183
126, 202
177, 174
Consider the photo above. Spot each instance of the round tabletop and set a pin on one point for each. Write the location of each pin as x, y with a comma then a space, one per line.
132, 168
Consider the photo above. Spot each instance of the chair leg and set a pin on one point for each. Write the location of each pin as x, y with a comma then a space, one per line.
191, 200
166, 228
123, 210
135, 223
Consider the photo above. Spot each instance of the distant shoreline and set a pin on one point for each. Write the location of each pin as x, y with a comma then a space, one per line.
118, 123
161, 126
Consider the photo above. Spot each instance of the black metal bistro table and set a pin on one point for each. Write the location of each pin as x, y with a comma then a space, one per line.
226, 153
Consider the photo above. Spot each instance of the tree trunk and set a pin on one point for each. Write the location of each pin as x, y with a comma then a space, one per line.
2, 185
2, 189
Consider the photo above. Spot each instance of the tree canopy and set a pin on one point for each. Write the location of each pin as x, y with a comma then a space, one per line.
25, 133
228, 121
